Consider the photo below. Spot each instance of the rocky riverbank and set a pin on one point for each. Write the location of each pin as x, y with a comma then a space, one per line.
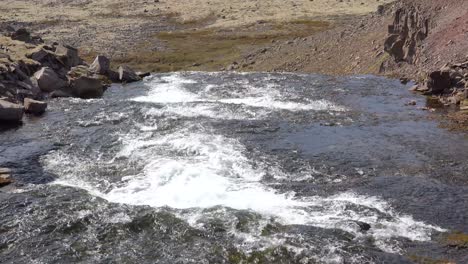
421, 41
31, 72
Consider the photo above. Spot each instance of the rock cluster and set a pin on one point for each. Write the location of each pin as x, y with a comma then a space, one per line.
31, 71
450, 83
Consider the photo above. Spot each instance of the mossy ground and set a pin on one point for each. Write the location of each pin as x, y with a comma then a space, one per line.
210, 49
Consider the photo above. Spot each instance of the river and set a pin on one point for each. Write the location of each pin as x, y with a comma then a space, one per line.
198, 167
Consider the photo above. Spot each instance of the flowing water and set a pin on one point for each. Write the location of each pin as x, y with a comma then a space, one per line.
234, 168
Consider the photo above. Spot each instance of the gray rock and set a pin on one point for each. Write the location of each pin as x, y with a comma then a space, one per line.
101, 65
34, 107
86, 87
48, 80
126, 74
11, 112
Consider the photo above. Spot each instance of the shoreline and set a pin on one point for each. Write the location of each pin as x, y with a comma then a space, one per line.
340, 42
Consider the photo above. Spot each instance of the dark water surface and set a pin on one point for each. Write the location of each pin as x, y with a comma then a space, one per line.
235, 168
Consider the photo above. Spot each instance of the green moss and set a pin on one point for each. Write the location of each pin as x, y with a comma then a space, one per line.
271, 229
376, 66
211, 49
269, 255
426, 260
458, 240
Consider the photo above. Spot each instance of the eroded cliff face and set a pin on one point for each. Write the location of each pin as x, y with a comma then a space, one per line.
406, 34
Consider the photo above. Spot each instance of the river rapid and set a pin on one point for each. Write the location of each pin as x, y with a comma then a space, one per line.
198, 167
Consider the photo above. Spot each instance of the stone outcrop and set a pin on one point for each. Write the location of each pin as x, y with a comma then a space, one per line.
409, 28
10, 112
34, 107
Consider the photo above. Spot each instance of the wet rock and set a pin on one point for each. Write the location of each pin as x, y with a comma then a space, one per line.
86, 87
11, 112
363, 226
143, 74
68, 55
60, 94
34, 107
101, 65
48, 80
127, 75
438, 81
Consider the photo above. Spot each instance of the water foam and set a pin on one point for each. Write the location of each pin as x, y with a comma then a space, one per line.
207, 170
170, 90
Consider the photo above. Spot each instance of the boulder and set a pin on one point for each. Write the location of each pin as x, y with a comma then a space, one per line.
438, 81
68, 55
34, 107
127, 75
48, 80
101, 65
10, 112
86, 87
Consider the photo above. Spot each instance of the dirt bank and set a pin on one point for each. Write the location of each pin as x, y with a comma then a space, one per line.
177, 35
